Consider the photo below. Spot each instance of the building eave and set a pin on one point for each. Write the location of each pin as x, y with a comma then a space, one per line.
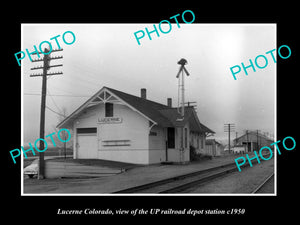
66, 122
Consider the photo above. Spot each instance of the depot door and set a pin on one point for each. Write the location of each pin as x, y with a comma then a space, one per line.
170, 143
87, 147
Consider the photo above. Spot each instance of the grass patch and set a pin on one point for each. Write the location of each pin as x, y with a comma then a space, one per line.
194, 156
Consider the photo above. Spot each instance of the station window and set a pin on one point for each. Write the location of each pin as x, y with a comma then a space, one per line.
109, 109
152, 133
87, 130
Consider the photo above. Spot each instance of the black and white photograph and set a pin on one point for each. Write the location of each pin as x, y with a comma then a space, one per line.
165, 116
149, 111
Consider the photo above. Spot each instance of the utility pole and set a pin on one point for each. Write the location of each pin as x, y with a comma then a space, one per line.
258, 145
45, 67
248, 142
229, 127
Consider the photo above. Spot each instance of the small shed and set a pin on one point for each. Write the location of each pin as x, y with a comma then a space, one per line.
213, 148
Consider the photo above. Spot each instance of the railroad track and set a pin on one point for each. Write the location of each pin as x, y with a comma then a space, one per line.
260, 186
180, 183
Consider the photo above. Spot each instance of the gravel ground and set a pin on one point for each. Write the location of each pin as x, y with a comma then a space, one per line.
239, 182
268, 187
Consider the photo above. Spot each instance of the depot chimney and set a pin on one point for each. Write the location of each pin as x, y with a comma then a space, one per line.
143, 93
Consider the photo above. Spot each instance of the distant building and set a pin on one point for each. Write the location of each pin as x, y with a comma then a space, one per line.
213, 148
239, 149
226, 148
117, 126
253, 141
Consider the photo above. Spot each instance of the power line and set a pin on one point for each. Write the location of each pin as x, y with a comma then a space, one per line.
53, 100
55, 111
60, 95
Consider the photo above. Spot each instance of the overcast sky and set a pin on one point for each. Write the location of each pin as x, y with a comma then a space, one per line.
108, 55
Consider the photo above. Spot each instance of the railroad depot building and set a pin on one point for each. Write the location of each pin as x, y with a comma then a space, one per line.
113, 125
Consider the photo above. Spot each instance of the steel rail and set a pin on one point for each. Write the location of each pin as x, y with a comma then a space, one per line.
199, 180
259, 187
205, 176
139, 188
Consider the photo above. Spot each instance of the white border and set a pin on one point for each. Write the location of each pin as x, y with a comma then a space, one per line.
22, 117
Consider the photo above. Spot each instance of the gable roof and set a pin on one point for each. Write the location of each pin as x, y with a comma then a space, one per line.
211, 142
145, 106
157, 113
255, 134
189, 115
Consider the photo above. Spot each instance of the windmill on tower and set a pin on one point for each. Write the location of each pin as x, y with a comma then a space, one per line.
182, 62
181, 71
